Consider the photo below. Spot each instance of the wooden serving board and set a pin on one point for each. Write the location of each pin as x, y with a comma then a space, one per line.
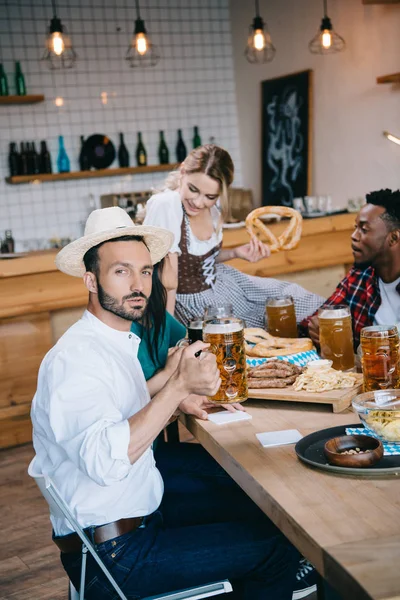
340, 399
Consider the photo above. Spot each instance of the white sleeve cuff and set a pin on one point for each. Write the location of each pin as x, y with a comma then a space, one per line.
118, 437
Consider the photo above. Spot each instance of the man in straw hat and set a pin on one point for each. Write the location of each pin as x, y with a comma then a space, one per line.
93, 428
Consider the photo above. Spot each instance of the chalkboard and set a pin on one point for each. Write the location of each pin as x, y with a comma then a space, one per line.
286, 138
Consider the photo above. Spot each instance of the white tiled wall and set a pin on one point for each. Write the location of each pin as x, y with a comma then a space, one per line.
193, 84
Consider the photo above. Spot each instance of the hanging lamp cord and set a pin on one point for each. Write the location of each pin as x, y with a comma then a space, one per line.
137, 9
257, 9
325, 8
53, 2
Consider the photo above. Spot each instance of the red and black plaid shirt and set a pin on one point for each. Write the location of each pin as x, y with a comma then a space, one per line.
360, 290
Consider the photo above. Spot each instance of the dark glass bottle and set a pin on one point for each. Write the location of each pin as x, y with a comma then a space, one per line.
9, 242
84, 160
28, 153
196, 137
63, 163
19, 80
13, 160
163, 152
35, 162
181, 152
45, 158
123, 154
3, 82
141, 154
131, 209
23, 160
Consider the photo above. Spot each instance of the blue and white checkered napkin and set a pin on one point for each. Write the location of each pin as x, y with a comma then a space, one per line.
389, 448
300, 359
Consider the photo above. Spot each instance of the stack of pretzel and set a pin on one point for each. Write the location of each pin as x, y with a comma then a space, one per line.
288, 240
268, 346
273, 374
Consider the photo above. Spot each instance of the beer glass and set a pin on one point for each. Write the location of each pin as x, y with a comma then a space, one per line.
218, 310
380, 357
281, 317
194, 333
336, 336
226, 336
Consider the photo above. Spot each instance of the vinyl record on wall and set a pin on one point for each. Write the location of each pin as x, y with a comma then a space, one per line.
99, 150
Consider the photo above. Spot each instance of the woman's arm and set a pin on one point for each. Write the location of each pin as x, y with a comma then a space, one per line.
169, 279
158, 381
254, 251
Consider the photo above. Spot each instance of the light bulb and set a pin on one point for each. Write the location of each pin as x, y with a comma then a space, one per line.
259, 39
326, 39
141, 43
57, 43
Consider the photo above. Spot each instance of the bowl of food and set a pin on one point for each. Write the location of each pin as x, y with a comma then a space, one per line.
358, 451
379, 412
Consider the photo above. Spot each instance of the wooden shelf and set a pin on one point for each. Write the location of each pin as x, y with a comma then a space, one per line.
380, 1
19, 179
394, 78
32, 99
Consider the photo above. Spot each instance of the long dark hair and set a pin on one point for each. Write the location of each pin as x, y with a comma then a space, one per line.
154, 319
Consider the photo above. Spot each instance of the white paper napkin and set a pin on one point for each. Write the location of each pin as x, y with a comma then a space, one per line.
278, 438
225, 416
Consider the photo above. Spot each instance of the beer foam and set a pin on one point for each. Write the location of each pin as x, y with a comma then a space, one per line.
331, 313
222, 328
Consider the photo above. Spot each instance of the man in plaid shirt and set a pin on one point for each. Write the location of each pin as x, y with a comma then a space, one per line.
372, 286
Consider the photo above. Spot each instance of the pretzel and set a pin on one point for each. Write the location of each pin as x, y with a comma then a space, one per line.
267, 346
288, 239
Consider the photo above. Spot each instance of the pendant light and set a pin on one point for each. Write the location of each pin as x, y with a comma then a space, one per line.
327, 41
391, 137
141, 52
59, 52
260, 48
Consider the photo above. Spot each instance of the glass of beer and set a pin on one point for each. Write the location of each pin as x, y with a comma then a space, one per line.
220, 310
226, 336
336, 336
194, 333
281, 317
380, 357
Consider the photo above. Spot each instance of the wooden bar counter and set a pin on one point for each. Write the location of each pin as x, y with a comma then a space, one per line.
38, 303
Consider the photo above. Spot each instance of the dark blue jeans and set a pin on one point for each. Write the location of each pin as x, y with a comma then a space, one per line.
206, 529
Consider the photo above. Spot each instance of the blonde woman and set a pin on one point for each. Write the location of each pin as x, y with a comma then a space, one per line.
193, 205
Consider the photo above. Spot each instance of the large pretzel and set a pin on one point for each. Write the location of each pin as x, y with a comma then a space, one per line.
288, 239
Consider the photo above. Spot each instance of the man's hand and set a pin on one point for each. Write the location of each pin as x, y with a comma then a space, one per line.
196, 405
254, 251
313, 330
198, 375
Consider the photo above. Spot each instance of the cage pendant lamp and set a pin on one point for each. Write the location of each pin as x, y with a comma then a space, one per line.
141, 52
59, 53
260, 48
326, 41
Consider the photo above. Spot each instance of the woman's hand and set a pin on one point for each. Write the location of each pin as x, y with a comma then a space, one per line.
174, 356
254, 251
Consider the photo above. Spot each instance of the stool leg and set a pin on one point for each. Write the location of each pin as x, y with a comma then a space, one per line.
83, 573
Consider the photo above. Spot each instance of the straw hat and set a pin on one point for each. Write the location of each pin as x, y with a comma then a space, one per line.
107, 224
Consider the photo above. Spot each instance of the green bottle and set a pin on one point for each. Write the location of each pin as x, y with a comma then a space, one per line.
19, 80
141, 154
3, 82
196, 137
163, 152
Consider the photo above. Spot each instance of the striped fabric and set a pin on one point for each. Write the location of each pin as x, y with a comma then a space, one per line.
247, 294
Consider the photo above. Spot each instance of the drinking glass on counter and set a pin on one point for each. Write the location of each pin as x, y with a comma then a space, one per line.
380, 357
226, 336
281, 317
220, 310
336, 336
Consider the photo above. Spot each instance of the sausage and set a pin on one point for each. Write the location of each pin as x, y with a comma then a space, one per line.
254, 383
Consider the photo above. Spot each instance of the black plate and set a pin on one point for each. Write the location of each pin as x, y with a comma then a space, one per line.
310, 450
100, 150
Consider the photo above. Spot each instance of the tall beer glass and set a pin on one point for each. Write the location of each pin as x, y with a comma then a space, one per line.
336, 336
218, 310
226, 336
281, 317
380, 357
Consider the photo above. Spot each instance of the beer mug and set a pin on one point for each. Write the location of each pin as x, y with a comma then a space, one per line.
194, 333
336, 336
380, 357
219, 310
226, 336
281, 317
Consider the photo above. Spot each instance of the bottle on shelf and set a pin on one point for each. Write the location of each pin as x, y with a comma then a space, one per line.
131, 209
163, 152
141, 154
13, 160
196, 137
181, 151
23, 160
84, 160
123, 154
3, 82
63, 164
20, 86
9, 242
44, 158
35, 161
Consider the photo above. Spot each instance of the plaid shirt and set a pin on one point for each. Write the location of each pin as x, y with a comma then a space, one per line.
360, 290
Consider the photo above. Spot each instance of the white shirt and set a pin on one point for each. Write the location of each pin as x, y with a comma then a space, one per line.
165, 210
89, 384
389, 311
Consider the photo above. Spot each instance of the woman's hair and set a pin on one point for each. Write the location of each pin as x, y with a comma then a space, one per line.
212, 161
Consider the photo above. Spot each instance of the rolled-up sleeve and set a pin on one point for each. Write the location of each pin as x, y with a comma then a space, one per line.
84, 415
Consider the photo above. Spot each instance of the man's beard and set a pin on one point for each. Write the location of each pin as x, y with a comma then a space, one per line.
111, 304
362, 265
